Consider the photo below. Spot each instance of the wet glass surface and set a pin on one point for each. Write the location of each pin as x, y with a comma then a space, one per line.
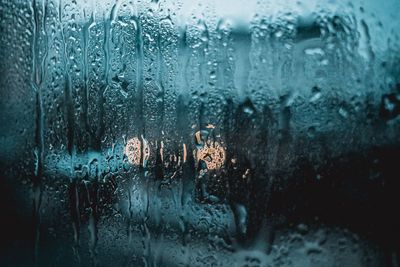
199, 133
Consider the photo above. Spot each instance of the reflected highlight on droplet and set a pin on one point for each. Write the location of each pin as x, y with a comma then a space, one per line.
212, 154
132, 150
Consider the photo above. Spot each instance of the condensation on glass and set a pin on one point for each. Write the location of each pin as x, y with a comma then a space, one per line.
200, 133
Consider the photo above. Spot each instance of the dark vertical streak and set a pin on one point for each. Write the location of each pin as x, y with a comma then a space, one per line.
74, 200
139, 76
159, 78
101, 98
36, 80
67, 89
75, 214
69, 113
141, 132
159, 170
85, 105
